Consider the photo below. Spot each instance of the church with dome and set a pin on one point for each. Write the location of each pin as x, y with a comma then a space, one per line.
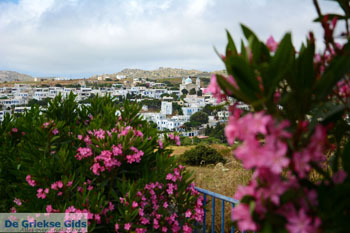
188, 84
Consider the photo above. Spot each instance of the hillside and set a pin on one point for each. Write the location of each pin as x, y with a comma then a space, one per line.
159, 73
10, 76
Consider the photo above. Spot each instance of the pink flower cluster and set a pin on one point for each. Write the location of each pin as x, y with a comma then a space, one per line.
83, 152
264, 149
41, 193
156, 199
216, 90
343, 89
112, 156
30, 181
175, 138
135, 157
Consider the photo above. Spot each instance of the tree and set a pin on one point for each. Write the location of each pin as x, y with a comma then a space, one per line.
202, 155
199, 117
184, 91
199, 92
192, 91
177, 108
174, 95
58, 85
164, 94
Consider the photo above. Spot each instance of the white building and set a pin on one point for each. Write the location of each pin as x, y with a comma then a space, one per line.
194, 100
188, 111
188, 85
167, 108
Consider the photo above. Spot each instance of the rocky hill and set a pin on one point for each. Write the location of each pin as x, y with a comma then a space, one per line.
9, 76
162, 73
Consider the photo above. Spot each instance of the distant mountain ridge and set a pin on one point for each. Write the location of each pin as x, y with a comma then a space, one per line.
162, 73
10, 76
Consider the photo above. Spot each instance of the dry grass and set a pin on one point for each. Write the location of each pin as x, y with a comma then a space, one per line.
222, 179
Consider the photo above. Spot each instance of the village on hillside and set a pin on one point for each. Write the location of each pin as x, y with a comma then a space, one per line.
180, 107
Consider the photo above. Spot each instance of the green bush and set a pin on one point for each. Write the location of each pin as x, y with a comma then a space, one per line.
201, 155
88, 159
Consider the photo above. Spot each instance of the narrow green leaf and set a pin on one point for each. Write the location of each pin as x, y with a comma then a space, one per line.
231, 47
346, 158
245, 78
281, 63
248, 33
336, 70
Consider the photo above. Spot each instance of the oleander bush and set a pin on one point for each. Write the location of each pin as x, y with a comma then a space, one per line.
88, 159
295, 139
201, 155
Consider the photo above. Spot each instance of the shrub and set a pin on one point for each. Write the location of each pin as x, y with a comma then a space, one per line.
296, 137
89, 160
201, 155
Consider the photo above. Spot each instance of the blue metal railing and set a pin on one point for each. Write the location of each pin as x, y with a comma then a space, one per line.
223, 200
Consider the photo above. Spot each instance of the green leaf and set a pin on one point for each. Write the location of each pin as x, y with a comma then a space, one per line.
280, 64
231, 47
330, 17
226, 86
346, 158
305, 68
245, 78
247, 32
336, 70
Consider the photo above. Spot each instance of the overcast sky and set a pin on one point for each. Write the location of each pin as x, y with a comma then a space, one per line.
79, 38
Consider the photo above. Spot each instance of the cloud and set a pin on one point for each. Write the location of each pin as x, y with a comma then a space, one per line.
84, 37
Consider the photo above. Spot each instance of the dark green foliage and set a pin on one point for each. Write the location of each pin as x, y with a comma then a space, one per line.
201, 155
30, 146
153, 104
217, 132
199, 118
177, 109
184, 91
192, 91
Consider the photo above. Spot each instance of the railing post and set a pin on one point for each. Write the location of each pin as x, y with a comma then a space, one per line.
232, 228
213, 215
222, 216
223, 199
205, 213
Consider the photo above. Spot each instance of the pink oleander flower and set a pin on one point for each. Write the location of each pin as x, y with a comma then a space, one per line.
271, 44
141, 230
116, 227
60, 184
160, 144
188, 214
215, 90
241, 214
55, 131
83, 152
127, 226
40, 194
17, 201
97, 168
117, 150
54, 186
134, 204
49, 208
13, 210
30, 181
15, 130
69, 184
300, 222
187, 229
